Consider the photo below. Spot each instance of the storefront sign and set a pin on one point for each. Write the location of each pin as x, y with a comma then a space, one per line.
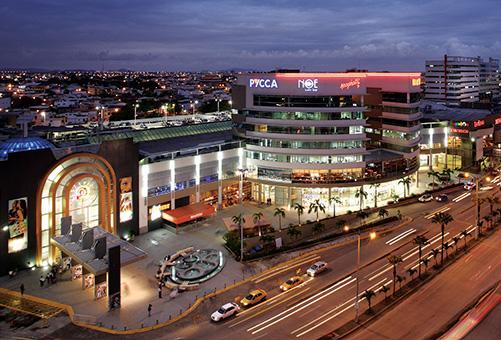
461, 124
263, 83
497, 121
308, 85
125, 199
352, 83
459, 130
416, 82
17, 222
479, 123
192, 217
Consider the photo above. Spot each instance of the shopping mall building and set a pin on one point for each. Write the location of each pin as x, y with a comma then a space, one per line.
315, 136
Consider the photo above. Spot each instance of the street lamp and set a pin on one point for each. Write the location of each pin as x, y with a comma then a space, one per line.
135, 113
218, 100
241, 171
372, 236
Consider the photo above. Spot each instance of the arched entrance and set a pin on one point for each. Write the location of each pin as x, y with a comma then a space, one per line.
81, 185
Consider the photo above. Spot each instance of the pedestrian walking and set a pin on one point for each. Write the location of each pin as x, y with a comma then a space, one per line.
149, 309
21, 288
42, 280
160, 292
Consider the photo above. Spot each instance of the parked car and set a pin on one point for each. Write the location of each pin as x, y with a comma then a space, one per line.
225, 311
254, 297
469, 186
425, 198
291, 283
442, 198
316, 268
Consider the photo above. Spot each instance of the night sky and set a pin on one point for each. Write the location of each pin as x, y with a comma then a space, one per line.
194, 35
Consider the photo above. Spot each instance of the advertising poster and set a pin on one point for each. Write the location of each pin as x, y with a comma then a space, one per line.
125, 199
114, 301
76, 272
88, 281
101, 290
18, 224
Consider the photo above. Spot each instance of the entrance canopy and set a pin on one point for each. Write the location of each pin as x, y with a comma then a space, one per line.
188, 213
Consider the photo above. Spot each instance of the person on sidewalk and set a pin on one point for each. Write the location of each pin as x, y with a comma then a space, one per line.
21, 288
149, 309
42, 280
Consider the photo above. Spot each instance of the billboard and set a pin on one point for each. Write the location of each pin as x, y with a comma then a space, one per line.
125, 199
18, 224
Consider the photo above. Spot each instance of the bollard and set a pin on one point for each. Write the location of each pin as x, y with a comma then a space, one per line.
157, 321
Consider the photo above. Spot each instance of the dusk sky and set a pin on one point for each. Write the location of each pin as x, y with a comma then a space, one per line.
195, 35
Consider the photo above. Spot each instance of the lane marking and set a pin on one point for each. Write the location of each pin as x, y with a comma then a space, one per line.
442, 210
400, 236
461, 197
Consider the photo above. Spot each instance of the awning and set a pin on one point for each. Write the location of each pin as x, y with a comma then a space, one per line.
188, 213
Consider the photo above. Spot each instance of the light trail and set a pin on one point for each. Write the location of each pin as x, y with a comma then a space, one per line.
441, 210
400, 236
283, 269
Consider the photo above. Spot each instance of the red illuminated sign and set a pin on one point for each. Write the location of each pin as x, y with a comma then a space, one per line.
497, 121
349, 84
478, 123
459, 130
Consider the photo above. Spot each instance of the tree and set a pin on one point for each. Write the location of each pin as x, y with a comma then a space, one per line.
340, 223
447, 173
394, 260
361, 195
300, 211
375, 186
420, 241
488, 219
293, 231
406, 182
411, 272
425, 261
362, 215
318, 227
434, 175
399, 279
334, 200
456, 240
443, 219
280, 212
383, 213
447, 245
238, 220
256, 217
385, 290
435, 253
267, 240
368, 295
316, 206
465, 233
395, 198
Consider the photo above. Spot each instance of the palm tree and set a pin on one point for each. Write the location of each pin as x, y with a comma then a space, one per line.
340, 223
435, 253
385, 290
447, 245
395, 198
425, 262
318, 227
456, 240
256, 217
443, 219
300, 210
465, 233
361, 195
239, 220
369, 294
280, 212
406, 182
434, 175
400, 279
362, 215
394, 260
375, 186
420, 241
293, 231
447, 173
267, 240
488, 219
492, 200
411, 272
316, 207
334, 200
383, 213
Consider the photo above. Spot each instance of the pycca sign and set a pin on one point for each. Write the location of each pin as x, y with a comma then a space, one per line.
309, 85
263, 83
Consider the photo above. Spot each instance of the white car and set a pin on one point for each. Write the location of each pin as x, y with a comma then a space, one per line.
316, 268
469, 186
425, 198
225, 311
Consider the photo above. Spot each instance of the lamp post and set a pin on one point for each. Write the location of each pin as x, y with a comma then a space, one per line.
135, 113
242, 171
218, 100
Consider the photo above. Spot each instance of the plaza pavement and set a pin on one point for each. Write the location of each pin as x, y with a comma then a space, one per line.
139, 286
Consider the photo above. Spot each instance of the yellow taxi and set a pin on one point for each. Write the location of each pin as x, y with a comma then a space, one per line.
291, 283
253, 298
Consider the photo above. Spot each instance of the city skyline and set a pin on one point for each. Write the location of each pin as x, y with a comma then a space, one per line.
250, 35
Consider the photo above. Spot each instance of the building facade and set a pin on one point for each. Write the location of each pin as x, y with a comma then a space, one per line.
312, 136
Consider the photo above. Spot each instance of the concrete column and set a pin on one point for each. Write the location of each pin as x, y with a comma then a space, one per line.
220, 194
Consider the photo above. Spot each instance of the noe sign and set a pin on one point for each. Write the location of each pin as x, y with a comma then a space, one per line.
309, 85
263, 83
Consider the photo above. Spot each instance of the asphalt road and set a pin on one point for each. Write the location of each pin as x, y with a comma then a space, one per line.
325, 302
440, 300
489, 328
